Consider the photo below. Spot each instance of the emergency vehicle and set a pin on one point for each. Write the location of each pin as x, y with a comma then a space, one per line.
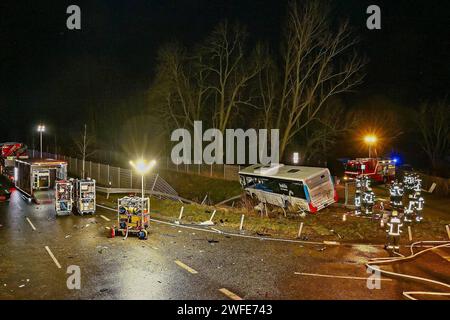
9, 152
378, 170
35, 176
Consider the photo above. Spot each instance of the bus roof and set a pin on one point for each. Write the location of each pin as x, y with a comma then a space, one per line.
42, 162
283, 172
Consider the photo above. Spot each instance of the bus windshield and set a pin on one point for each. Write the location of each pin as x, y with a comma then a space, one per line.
353, 167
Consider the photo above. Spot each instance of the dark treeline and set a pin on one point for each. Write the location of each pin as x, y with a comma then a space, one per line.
304, 71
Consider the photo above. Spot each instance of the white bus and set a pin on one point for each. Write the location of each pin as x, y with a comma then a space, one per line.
301, 188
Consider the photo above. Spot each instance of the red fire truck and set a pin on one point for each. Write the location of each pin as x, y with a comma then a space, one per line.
10, 151
378, 170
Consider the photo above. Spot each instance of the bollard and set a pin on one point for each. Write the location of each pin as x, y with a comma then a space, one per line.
448, 230
300, 230
242, 223
212, 216
181, 213
204, 199
410, 233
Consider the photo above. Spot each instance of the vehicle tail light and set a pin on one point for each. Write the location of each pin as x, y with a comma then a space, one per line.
312, 208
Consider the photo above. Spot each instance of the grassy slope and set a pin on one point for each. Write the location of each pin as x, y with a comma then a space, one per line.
195, 187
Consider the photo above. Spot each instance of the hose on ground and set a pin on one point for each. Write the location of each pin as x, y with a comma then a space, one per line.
373, 264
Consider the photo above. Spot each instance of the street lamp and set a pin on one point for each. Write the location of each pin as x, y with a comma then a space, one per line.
142, 168
370, 140
40, 129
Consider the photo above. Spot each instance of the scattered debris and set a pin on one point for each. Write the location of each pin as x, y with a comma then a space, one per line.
262, 234
68, 236
21, 286
213, 241
103, 290
321, 248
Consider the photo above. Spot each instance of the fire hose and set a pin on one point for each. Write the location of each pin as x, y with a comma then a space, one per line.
373, 265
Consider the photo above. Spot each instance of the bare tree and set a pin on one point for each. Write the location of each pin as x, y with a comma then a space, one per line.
324, 132
230, 71
433, 124
265, 85
84, 144
183, 88
314, 68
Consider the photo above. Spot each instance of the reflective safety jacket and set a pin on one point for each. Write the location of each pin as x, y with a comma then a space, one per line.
394, 225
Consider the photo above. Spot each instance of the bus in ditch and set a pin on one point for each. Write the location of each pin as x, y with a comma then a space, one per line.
300, 188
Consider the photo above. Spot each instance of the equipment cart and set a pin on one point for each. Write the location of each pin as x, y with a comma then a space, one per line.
133, 217
84, 194
63, 197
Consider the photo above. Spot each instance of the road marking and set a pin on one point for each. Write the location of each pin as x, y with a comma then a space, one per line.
102, 216
442, 254
230, 294
181, 264
331, 243
31, 224
53, 257
334, 276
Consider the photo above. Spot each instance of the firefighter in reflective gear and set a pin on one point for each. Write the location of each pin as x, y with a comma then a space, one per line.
417, 187
358, 202
358, 183
396, 195
368, 201
418, 208
408, 182
409, 211
365, 183
393, 232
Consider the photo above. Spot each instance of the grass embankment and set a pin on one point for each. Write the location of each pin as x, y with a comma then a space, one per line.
325, 225
195, 187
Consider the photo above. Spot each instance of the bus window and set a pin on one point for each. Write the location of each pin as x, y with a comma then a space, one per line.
297, 189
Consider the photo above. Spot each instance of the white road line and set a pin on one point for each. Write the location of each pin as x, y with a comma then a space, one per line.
189, 269
230, 294
102, 216
53, 257
32, 226
334, 276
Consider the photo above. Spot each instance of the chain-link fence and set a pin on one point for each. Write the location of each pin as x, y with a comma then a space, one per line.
109, 176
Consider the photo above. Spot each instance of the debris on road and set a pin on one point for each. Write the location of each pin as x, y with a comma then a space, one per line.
67, 236
213, 241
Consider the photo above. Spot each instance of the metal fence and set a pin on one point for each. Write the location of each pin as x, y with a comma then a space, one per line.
109, 176
222, 171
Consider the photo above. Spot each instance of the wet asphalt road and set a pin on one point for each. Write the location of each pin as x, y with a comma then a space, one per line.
133, 269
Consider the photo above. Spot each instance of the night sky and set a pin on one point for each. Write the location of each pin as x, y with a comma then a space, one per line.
55, 75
